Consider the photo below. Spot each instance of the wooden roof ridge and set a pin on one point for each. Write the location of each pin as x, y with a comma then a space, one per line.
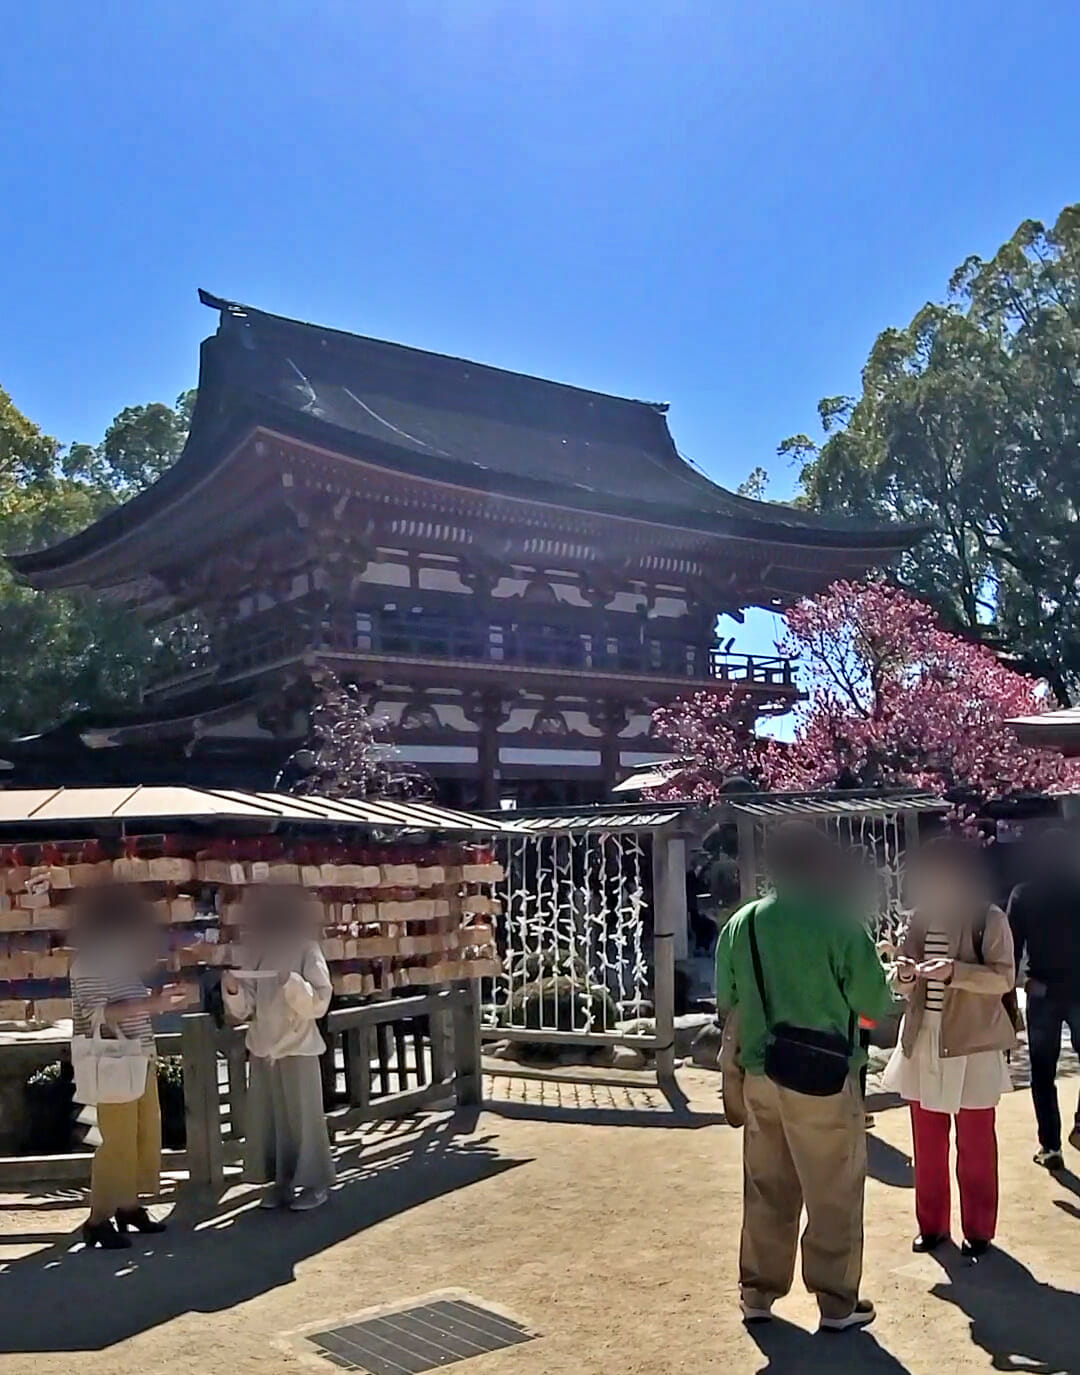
239, 311
448, 420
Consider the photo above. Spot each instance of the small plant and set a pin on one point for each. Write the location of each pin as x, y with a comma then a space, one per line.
46, 1077
170, 1077
50, 1115
170, 1072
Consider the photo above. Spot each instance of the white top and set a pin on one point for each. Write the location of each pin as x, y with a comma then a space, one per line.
281, 1017
944, 1083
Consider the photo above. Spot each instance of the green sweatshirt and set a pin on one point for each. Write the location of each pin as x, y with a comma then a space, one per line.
820, 966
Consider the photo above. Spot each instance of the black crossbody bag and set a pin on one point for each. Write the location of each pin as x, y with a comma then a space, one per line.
800, 1058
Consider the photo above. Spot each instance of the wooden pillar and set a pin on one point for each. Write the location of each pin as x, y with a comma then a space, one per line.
236, 1059
669, 900
748, 868
202, 1110
468, 1075
681, 917
489, 713
610, 716
441, 1030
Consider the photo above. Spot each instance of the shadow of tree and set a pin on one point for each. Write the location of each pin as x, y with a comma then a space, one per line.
220, 1252
1021, 1323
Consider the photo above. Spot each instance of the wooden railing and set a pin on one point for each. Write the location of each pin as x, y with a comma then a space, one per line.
443, 1029
268, 639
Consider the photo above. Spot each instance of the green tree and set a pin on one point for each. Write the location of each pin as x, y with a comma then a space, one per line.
62, 654
969, 423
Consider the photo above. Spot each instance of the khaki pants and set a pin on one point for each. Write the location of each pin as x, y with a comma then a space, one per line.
798, 1152
127, 1164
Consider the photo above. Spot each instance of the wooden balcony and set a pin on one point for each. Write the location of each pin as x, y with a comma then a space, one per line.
535, 650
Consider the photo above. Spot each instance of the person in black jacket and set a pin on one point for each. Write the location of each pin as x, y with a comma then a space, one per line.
1045, 917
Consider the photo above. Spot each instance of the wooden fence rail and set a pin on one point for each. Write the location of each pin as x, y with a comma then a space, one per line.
379, 1034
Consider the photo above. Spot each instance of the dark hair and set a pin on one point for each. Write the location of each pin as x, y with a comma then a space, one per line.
797, 851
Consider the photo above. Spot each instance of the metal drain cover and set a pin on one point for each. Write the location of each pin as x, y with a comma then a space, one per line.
411, 1340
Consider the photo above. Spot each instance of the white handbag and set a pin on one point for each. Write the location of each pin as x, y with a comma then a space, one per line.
108, 1069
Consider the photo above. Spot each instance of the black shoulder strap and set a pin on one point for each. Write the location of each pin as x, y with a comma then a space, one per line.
755, 956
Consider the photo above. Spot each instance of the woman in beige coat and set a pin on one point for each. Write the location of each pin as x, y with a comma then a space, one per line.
954, 966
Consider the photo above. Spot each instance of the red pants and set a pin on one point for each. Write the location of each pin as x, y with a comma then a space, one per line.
976, 1171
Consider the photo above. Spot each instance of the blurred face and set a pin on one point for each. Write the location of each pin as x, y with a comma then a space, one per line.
947, 890
277, 914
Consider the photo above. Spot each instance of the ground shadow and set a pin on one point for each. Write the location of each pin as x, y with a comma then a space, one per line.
888, 1165
1022, 1324
217, 1253
792, 1350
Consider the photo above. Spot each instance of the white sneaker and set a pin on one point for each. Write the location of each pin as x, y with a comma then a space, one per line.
276, 1198
862, 1315
307, 1199
754, 1315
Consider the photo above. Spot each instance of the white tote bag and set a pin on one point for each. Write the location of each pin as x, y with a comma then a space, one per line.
108, 1069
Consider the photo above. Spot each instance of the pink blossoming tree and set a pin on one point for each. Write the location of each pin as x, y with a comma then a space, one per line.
893, 700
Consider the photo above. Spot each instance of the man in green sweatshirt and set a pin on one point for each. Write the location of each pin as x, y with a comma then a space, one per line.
821, 971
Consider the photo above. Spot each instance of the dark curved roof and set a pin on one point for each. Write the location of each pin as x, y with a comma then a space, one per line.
452, 420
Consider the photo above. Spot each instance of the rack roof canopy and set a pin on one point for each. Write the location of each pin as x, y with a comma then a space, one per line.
447, 420
34, 807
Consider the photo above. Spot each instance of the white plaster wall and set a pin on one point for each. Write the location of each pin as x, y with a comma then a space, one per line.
442, 580
386, 574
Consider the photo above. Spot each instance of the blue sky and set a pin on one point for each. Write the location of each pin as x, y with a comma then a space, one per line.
717, 205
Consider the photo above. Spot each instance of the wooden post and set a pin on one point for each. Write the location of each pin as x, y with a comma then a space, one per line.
911, 833
236, 1060
468, 1076
680, 915
357, 1045
202, 1110
747, 841
442, 1045
669, 900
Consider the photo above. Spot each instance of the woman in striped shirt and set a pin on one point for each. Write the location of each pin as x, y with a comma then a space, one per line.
955, 965
114, 932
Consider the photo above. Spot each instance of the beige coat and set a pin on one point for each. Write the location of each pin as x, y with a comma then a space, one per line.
973, 1018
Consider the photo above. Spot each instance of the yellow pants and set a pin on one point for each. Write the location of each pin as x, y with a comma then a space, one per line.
127, 1164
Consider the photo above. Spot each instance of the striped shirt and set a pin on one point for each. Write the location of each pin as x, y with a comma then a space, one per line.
936, 948
94, 985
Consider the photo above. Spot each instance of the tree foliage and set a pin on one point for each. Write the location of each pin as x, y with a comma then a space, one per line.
348, 754
893, 700
969, 423
61, 654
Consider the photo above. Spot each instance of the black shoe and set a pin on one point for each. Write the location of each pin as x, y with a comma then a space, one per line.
105, 1235
928, 1242
1049, 1160
975, 1250
139, 1219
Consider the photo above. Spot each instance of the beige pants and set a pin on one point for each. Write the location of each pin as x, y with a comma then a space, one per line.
798, 1152
127, 1164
